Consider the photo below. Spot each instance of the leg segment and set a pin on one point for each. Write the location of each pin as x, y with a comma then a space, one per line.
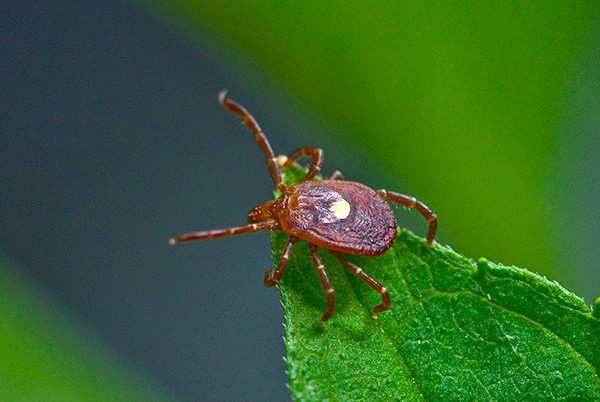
261, 139
337, 175
212, 234
412, 202
376, 286
272, 278
317, 155
325, 280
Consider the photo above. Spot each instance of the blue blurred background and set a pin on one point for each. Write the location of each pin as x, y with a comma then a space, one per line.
113, 141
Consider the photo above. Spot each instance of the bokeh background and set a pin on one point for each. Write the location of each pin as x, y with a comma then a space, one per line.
112, 141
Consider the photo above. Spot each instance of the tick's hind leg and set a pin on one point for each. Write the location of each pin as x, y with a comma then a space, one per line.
412, 202
376, 286
337, 175
272, 278
325, 280
317, 155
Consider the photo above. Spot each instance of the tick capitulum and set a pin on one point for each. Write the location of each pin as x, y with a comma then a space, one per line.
338, 215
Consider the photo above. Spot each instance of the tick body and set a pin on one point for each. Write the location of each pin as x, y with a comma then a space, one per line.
338, 215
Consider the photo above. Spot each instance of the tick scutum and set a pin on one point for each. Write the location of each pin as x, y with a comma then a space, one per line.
339, 215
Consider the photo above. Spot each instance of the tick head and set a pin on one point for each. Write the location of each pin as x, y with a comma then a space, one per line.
264, 212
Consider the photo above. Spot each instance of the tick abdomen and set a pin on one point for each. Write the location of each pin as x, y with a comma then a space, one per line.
339, 215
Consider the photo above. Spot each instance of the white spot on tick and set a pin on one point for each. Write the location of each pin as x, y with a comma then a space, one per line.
340, 208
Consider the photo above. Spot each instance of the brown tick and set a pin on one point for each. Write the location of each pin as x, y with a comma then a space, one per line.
341, 216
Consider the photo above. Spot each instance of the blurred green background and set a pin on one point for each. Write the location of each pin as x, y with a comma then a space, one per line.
112, 141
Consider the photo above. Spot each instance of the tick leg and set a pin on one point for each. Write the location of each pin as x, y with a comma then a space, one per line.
412, 202
376, 286
337, 175
317, 155
260, 138
212, 234
272, 278
325, 280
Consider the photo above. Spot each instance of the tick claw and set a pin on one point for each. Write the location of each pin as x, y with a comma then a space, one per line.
269, 282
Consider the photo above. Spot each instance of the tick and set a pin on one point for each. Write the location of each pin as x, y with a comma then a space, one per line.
338, 215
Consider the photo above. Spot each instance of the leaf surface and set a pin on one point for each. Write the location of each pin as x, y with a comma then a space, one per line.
457, 330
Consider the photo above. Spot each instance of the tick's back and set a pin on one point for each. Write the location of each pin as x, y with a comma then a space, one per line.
339, 215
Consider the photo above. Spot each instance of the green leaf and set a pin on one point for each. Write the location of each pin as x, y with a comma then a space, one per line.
456, 331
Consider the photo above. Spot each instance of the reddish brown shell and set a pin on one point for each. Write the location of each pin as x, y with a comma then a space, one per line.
366, 224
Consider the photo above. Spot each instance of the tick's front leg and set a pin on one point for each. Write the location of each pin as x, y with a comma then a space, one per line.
315, 153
